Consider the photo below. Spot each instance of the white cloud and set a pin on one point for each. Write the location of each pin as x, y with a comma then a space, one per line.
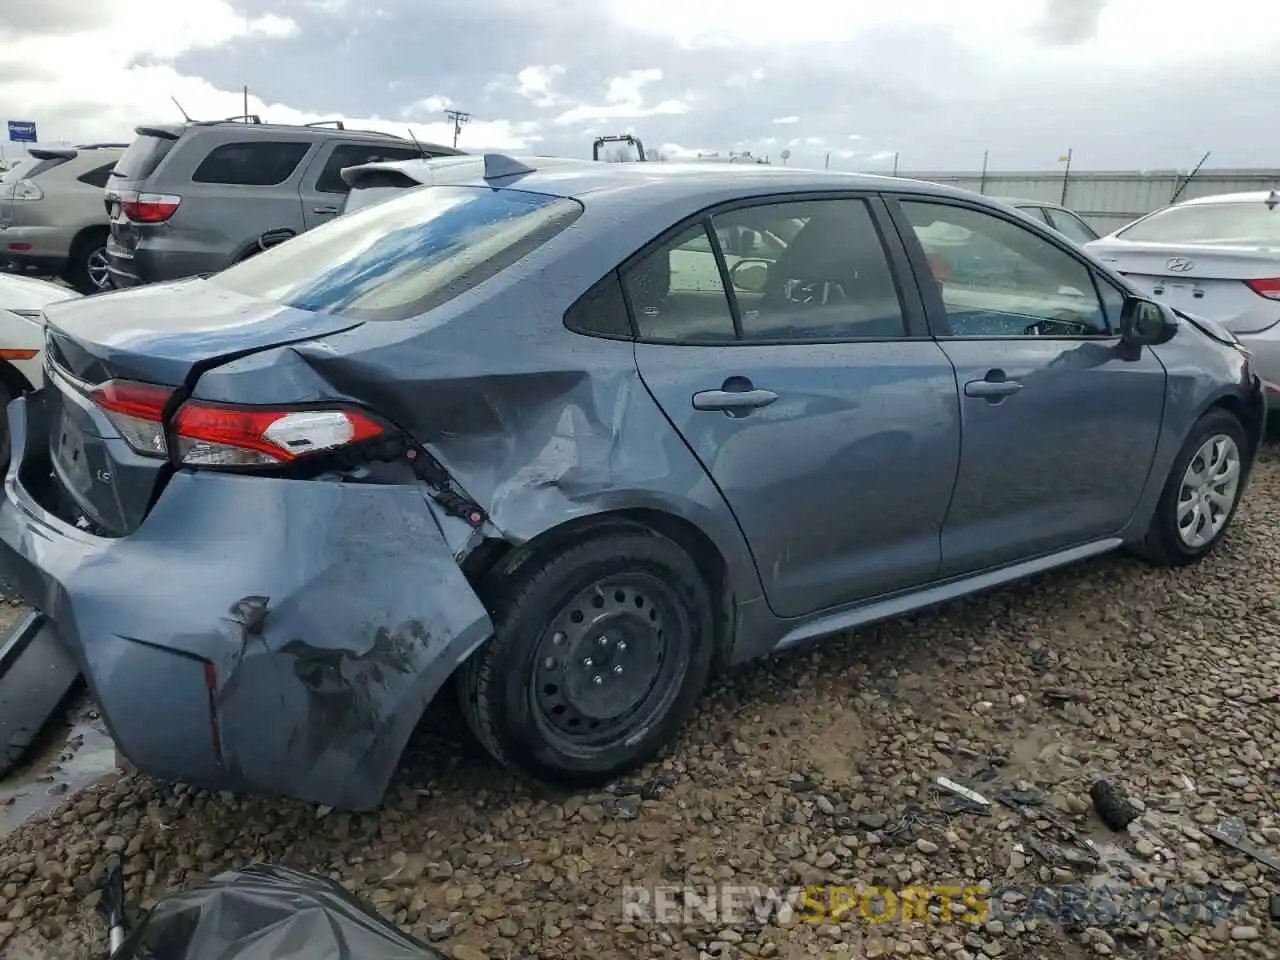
782, 121
98, 78
534, 83
624, 100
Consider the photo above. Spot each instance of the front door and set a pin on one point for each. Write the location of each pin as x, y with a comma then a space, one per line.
1059, 431
810, 391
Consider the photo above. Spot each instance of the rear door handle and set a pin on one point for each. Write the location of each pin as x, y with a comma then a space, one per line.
729, 400
325, 209
991, 389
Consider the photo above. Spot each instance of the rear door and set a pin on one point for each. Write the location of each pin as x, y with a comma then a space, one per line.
1059, 428
804, 380
323, 191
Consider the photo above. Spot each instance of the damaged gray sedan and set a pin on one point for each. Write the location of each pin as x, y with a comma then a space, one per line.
568, 440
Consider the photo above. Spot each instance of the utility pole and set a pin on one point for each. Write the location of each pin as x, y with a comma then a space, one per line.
246, 103
982, 184
458, 118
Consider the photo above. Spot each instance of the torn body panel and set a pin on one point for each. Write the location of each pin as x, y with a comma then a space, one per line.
538, 436
274, 635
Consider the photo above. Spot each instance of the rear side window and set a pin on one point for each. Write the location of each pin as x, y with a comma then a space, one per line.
601, 311
406, 256
257, 163
1070, 226
97, 177
353, 155
142, 157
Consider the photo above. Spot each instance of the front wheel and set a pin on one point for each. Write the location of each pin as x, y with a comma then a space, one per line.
1201, 493
598, 656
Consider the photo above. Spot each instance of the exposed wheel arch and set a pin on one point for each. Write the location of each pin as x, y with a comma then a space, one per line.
496, 559
13, 379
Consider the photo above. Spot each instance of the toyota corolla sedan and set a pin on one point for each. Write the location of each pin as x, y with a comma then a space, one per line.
567, 440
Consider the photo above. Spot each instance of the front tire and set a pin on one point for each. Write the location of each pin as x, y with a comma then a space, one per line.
599, 654
1201, 494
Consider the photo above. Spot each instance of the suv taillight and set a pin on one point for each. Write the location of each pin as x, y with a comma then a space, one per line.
149, 207
24, 190
225, 435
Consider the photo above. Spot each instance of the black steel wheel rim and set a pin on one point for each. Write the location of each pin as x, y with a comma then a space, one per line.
609, 664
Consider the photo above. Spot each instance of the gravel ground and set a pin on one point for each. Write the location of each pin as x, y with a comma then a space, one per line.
816, 767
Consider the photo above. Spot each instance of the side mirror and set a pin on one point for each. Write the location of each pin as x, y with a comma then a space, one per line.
1145, 323
749, 276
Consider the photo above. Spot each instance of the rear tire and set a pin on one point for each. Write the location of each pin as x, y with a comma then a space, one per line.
87, 268
599, 654
1201, 494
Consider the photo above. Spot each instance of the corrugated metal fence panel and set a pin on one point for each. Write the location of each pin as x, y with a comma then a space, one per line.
1108, 200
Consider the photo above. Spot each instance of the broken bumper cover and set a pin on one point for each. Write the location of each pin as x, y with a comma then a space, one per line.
256, 634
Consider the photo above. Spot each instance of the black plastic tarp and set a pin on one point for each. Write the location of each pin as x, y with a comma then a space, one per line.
267, 912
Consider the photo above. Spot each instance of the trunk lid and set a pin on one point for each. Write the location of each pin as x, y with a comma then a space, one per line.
163, 332
189, 325
1210, 281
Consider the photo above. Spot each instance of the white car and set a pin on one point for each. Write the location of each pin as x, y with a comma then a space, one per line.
1214, 257
22, 302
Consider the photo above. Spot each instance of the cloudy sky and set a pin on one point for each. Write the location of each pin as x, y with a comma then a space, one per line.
1123, 83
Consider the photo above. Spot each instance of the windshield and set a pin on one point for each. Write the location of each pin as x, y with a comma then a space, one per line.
1239, 223
403, 257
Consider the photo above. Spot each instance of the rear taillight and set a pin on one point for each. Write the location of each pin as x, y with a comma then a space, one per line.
248, 436
149, 207
221, 435
1265, 288
137, 411
25, 190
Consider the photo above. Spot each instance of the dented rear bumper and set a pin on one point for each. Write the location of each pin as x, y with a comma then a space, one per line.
265, 635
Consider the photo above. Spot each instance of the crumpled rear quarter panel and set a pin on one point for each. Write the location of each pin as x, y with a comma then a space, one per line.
330, 613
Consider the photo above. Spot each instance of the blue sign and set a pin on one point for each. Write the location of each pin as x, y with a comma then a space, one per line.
22, 131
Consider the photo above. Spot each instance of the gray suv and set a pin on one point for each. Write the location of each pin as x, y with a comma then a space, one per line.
193, 198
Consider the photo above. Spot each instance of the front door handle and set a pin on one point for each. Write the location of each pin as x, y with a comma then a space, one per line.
994, 387
733, 400
325, 209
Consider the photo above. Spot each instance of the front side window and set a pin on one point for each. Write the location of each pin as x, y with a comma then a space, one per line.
405, 256
256, 163
1246, 223
999, 279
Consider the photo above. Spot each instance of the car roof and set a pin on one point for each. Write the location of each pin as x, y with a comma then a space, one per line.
571, 177
321, 129
1024, 202
1252, 196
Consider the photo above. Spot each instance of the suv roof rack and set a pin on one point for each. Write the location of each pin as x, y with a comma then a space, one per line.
325, 123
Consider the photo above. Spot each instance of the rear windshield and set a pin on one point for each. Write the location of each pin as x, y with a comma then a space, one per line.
142, 157
401, 258
1248, 223
31, 167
